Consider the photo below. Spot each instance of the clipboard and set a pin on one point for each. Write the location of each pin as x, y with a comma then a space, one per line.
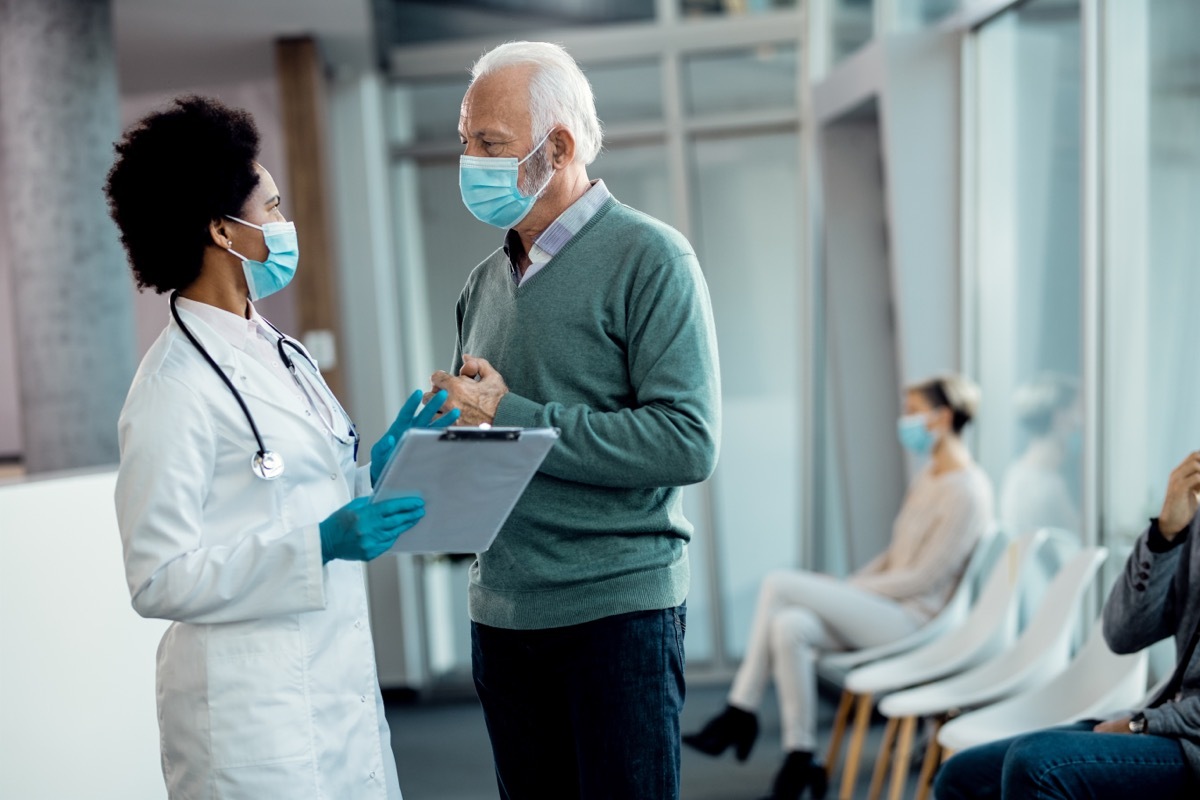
469, 478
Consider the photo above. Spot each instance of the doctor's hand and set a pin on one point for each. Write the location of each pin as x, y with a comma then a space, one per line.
409, 418
1183, 497
476, 391
362, 530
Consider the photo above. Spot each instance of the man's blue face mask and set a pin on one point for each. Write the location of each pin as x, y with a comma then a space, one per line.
268, 277
490, 191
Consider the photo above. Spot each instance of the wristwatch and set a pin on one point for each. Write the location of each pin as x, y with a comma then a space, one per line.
1137, 723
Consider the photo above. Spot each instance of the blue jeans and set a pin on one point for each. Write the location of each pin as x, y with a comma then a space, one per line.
1068, 762
586, 712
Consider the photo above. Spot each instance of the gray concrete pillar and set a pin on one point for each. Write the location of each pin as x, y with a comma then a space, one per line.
72, 304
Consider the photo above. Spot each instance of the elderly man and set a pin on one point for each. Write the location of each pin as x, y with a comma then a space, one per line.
1153, 753
595, 319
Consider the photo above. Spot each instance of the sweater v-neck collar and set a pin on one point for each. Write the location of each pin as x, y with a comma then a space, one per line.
518, 289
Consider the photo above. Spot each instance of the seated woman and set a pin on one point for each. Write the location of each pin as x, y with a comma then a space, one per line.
945, 513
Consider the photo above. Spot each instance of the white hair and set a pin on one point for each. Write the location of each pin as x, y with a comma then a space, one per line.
559, 93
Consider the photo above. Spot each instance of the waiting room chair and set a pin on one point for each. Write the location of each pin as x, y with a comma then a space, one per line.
1042, 651
1097, 683
988, 629
836, 665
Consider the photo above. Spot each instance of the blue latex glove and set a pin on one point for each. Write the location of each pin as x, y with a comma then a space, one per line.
409, 418
362, 530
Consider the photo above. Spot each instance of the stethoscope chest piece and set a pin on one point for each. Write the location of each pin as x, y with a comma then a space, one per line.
267, 464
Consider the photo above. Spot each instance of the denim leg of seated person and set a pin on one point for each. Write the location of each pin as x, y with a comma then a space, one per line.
1068, 762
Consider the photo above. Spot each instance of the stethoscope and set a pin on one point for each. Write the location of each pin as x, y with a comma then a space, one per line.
268, 464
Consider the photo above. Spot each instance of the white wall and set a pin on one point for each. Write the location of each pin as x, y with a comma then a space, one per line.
920, 122
77, 715
862, 369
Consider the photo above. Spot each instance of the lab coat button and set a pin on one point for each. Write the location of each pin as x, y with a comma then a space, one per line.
333, 476
358, 624
371, 776
362, 697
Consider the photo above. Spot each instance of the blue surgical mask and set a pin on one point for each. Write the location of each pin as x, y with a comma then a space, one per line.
915, 436
267, 277
489, 188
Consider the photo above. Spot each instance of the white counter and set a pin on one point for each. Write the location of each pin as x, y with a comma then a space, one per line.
77, 716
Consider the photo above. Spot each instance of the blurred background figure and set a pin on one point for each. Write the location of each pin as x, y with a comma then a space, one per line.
1036, 492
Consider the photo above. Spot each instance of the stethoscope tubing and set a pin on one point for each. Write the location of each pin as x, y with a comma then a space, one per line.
267, 464
262, 448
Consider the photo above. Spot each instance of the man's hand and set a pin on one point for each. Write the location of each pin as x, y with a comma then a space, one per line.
476, 392
1183, 497
1114, 726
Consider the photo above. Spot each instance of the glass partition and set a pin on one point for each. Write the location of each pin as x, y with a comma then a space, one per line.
853, 26
698, 8
749, 250
1028, 262
916, 14
627, 91
427, 112
763, 77
1151, 80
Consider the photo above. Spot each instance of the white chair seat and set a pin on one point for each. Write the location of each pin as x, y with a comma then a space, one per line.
1096, 684
1041, 652
987, 630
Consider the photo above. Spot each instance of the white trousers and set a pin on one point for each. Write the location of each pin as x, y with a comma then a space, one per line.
799, 615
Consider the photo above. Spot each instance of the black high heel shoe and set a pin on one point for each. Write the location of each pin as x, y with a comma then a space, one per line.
799, 773
732, 727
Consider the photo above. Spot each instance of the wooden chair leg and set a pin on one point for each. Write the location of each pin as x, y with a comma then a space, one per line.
908, 728
862, 721
883, 760
839, 730
933, 757
946, 753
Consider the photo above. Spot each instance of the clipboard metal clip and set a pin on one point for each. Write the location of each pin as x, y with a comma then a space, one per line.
481, 435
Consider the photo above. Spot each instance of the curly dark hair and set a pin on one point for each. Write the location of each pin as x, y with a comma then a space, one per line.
176, 171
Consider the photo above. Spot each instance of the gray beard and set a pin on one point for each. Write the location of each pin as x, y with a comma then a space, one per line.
537, 173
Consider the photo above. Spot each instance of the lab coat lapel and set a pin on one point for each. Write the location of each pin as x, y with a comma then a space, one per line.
249, 377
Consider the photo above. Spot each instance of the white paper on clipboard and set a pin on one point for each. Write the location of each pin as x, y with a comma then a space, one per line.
469, 478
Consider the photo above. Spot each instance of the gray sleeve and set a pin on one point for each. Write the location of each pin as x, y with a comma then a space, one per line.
1175, 719
1142, 608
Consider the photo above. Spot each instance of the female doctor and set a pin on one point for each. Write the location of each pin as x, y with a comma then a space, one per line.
242, 514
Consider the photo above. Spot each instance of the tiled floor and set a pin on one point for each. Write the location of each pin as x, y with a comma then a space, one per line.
442, 752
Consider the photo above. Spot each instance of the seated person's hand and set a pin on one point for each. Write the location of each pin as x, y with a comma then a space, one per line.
1183, 497
1113, 726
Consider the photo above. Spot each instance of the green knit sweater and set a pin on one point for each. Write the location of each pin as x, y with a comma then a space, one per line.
613, 343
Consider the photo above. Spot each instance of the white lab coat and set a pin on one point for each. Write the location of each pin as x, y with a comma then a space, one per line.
266, 680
